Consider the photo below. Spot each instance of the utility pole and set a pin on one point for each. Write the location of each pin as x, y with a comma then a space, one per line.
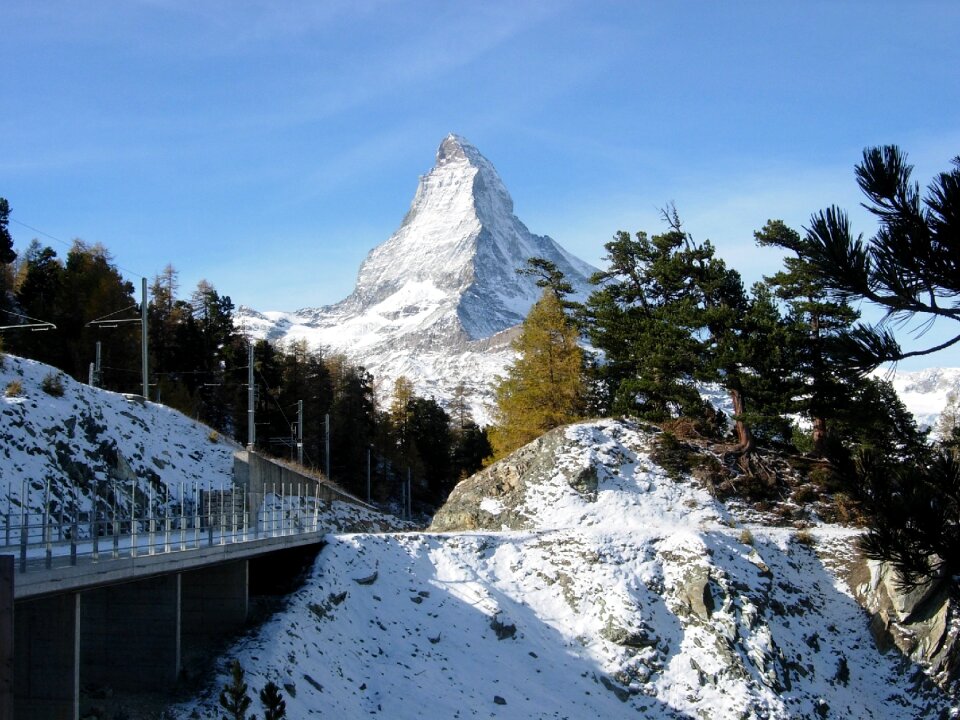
251, 426
326, 442
300, 431
143, 340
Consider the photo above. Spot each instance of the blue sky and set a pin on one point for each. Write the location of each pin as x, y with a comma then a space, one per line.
268, 146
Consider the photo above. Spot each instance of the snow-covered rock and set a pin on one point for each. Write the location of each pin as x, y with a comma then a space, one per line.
616, 592
436, 301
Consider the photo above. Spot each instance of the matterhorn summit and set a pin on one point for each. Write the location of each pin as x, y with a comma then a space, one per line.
437, 300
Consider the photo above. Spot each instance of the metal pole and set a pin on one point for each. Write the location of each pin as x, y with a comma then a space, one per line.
47, 533
368, 472
326, 425
209, 515
116, 525
166, 521
24, 499
151, 523
300, 432
95, 526
409, 493
96, 368
196, 515
183, 528
143, 341
251, 425
74, 526
133, 518
273, 512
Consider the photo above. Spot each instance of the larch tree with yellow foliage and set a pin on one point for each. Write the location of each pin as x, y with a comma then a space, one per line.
545, 386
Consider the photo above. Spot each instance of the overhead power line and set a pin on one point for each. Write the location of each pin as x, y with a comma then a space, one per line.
69, 244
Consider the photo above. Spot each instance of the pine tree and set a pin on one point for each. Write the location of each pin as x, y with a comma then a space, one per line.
544, 387
641, 318
7, 255
823, 380
910, 267
274, 706
233, 697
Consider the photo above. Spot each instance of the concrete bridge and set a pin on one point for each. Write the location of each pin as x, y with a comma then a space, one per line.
124, 604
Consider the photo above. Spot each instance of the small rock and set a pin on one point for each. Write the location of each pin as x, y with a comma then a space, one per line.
499, 700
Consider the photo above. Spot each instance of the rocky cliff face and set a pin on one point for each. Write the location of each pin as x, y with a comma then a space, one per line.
436, 301
774, 605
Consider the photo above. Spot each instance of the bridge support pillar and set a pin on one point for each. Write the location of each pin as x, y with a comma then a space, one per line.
47, 662
131, 635
214, 603
6, 636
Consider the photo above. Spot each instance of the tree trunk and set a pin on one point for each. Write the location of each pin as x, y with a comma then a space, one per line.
745, 441
820, 436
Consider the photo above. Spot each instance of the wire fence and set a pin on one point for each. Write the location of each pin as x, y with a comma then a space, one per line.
126, 523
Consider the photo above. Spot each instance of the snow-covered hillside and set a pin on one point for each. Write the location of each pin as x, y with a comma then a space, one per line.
624, 594
88, 438
925, 392
434, 300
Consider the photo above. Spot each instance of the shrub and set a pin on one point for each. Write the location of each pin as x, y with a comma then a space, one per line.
672, 455
805, 537
746, 537
14, 389
52, 384
805, 494
214, 436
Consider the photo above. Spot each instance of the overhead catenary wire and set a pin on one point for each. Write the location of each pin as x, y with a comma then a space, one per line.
36, 325
69, 244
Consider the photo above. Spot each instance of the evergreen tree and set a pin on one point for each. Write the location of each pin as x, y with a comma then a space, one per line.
544, 387
640, 319
429, 427
352, 430
38, 295
233, 697
910, 267
274, 706
823, 380
7, 256
471, 447
915, 516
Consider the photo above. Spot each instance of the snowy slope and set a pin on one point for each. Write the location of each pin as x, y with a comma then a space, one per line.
434, 300
925, 392
90, 437
626, 595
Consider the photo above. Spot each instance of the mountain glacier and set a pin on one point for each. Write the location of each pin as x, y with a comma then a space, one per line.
438, 300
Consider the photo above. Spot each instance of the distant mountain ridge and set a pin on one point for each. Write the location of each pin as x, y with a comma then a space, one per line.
437, 300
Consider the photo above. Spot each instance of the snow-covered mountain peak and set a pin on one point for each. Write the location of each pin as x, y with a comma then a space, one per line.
433, 301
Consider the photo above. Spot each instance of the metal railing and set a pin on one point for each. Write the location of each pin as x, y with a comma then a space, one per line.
127, 522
